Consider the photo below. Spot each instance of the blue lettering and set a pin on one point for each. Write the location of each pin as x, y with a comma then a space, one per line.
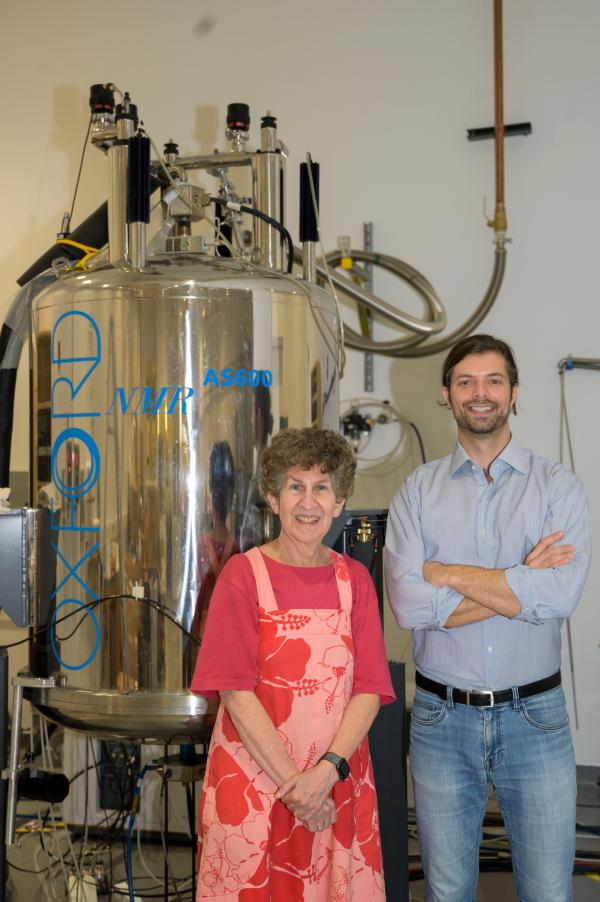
152, 404
74, 334
69, 526
88, 612
94, 360
239, 377
72, 570
124, 402
75, 491
68, 414
178, 395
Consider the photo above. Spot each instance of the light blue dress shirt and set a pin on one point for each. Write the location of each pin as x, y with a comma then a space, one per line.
447, 511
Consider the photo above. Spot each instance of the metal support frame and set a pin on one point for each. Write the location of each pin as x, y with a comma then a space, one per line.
166, 875
14, 769
173, 770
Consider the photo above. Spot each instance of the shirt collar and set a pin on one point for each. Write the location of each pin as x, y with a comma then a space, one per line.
513, 455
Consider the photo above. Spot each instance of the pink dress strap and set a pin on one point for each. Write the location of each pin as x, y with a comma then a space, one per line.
265, 589
342, 577
263, 583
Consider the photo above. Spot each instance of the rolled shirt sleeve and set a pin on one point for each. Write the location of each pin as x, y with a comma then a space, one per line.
415, 602
554, 592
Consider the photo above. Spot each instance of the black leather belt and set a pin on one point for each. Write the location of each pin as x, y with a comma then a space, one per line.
487, 698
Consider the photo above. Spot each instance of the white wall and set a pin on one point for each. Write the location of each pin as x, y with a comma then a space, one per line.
382, 94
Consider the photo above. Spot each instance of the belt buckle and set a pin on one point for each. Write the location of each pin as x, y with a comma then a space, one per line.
481, 692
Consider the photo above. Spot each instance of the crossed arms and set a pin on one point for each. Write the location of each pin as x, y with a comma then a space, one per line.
546, 582
485, 591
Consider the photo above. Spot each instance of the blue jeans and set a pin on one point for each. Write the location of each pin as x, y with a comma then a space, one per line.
524, 749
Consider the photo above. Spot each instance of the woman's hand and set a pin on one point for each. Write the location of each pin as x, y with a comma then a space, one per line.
305, 792
323, 819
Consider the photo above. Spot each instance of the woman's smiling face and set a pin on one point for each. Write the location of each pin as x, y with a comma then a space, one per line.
306, 504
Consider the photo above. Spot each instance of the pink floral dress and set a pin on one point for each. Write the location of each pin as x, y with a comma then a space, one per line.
251, 847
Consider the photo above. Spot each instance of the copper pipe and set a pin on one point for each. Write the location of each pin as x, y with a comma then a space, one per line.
499, 223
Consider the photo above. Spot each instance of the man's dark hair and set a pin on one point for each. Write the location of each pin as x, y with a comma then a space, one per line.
480, 344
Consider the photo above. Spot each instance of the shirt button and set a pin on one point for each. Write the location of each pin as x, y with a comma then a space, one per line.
483, 533
490, 649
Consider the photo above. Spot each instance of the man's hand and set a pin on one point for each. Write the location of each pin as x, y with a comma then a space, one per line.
323, 819
548, 554
304, 793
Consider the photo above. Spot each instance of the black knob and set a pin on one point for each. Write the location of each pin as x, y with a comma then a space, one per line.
102, 99
238, 116
127, 109
268, 121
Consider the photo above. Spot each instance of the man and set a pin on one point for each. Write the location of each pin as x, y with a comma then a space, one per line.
487, 552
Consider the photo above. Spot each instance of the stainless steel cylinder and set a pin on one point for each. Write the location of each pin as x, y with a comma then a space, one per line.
154, 394
309, 260
118, 156
268, 181
137, 244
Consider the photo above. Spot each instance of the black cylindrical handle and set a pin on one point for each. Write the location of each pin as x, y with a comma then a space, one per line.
138, 180
308, 219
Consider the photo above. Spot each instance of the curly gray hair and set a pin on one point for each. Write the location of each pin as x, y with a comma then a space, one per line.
307, 448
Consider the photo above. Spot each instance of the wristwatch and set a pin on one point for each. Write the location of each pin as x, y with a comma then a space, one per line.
341, 765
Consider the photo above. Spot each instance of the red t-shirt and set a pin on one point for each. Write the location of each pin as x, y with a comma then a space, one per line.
229, 652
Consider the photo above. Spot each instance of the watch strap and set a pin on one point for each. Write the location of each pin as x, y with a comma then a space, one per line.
340, 764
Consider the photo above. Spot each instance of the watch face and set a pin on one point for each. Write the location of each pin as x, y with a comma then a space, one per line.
343, 769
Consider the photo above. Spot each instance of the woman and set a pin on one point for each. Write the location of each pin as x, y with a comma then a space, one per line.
293, 645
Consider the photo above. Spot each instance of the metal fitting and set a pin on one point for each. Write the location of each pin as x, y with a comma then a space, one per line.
187, 201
